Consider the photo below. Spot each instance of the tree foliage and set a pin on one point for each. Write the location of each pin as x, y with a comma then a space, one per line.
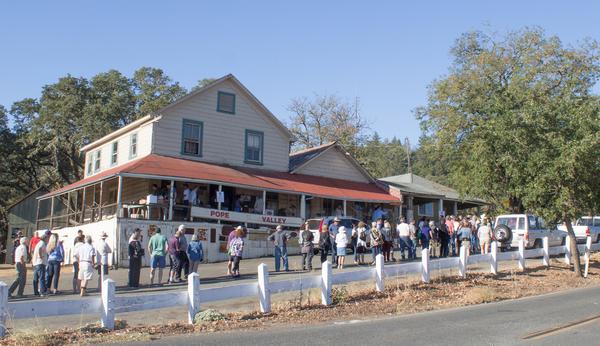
516, 120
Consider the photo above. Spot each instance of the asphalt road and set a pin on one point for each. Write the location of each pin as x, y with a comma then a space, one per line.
502, 323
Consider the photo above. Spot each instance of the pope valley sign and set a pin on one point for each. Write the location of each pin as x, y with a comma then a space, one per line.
245, 217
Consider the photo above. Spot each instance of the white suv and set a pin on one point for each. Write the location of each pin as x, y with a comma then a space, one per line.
511, 228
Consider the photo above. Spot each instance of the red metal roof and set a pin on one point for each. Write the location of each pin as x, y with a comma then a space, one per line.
165, 166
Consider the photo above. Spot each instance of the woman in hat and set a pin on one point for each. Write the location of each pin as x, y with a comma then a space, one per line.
136, 252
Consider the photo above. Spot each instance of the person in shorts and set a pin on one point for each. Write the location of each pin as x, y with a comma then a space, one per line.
86, 256
157, 248
341, 241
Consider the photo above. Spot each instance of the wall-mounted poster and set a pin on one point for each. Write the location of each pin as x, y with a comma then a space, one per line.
189, 231
202, 234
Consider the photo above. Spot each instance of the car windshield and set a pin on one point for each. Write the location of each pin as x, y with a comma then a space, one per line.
587, 221
511, 222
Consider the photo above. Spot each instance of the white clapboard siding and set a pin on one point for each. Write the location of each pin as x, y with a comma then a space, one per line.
144, 147
223, 133
333, 164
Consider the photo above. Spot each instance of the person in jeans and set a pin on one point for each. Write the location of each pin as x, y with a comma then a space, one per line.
182, 254
388, 241
56, 255
76, 282
464, 235
376, 242
279, 239
39, 260
157, 248
174, 248
413, 238
195, 253
136, 252
21, 258
425, 236
236, 249
306, 247
354, 242
325, 244
403, 230
444, 239
333, 230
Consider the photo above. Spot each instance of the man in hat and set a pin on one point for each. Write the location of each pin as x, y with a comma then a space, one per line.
86, 257
279, 239
157, 248
103, 250
333, 230
39, 260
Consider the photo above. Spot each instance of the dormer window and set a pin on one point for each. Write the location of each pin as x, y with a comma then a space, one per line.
225, 102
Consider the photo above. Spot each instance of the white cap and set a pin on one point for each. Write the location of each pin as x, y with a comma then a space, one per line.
181, 227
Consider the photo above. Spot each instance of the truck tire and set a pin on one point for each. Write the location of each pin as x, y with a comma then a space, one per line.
538, 244
503, 233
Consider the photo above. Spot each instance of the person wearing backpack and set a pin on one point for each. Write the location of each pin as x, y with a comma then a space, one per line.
306, 247
435, 239
361, 234
376, 242
325, 243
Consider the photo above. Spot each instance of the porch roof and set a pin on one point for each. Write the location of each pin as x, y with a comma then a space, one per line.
166, 167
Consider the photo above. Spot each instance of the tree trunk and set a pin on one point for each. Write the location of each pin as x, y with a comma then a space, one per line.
574, 250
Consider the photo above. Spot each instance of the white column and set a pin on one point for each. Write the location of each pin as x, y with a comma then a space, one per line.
120, 197
219, 201
546, 258
462, 262
52, 210
345, 208
3, 307
108, 299
494, 258
326, 283
455, 208
264, 200
441, 207
588, 248
568, 250
425, 265
303, 207
521, 254
193, 296
171, 199
379, 279
264, 294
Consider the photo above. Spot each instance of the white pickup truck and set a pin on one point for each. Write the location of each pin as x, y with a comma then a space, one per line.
584, 227
509, 229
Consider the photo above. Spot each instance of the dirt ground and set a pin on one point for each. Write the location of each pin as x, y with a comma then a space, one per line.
353, 301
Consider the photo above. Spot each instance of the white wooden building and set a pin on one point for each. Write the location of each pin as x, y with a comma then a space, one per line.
220, 147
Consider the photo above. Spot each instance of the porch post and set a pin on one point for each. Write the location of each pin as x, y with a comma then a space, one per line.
218, 200
264, 206
171, 199
441, 211
344, 202
51, 211
83, 206
37, 217
100, 202
455, 208
119, 196
303, 206
68, 207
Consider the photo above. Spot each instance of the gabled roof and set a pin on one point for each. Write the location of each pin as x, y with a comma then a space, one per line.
302, 158
251, 96
41, 188
418, 186
166, 167
117, 133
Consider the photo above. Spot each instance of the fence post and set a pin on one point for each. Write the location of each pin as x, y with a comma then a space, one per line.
588, 248
494, 258
193, 296
264, 293
546, 258
379, 284
326, 283
425, 265
108, 300
521, 254
3, 307
568, 250
462, 262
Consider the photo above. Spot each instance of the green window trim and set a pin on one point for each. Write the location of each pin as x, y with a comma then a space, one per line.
199, 139
133, 153
223, 93
261, 135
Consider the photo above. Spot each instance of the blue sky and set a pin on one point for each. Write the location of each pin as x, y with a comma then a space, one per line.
384, 52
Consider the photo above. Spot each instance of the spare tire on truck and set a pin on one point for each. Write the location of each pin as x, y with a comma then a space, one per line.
503, 233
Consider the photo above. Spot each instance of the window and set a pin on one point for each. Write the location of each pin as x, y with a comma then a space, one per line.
225, 102
426, 209
89, 163
133, 146
191, 141
97, 161
115, 152
254, 147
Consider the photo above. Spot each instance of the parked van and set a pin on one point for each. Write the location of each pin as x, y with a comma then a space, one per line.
511, 228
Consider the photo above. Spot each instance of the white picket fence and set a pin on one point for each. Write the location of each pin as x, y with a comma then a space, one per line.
110, 304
